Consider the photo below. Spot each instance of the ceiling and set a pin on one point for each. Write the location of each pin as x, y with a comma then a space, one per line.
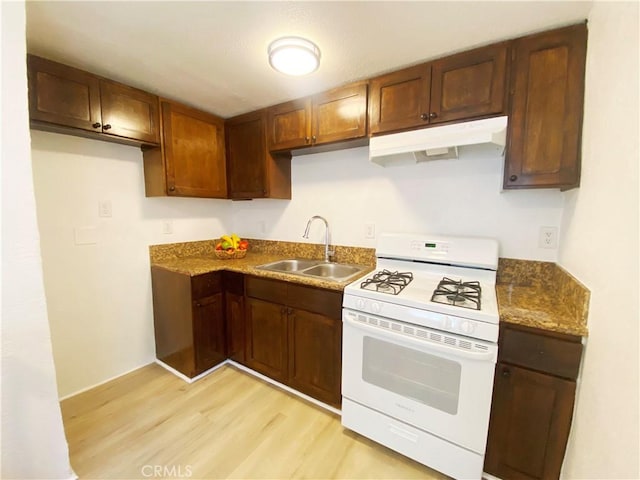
213, 55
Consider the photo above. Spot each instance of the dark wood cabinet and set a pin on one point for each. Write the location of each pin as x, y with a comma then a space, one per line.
188, 320
545, 120
69, 100
191, 160
400, 99
234, 314
339, 114
267, 342
458, 87
336, 115
289, 125
294, 336
532, 406
252, 171
469, 84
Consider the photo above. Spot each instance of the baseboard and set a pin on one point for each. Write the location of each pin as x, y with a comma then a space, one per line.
284, 387
60, 399
184, 377
488, 476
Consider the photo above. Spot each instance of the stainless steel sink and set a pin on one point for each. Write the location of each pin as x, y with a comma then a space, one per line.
337, 272
332, 270
291, 265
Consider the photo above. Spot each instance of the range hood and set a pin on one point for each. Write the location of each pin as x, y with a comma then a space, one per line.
434, 143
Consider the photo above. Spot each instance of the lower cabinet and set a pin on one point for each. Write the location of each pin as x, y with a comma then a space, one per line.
189, 320
294, 336
234, 313
532, 407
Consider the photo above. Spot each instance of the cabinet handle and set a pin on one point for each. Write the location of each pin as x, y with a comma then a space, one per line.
106, 127
198, 304
424, 116
96, 125
506, 373
513, 178
313, 139
172, 188
433, 115
306, 139
289, 311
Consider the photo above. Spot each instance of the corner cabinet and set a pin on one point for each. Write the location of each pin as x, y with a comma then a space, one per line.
294, 336
532, 407
458, 87
252, 171
191, 159
545, 119
189, 320
68, 100
333, 116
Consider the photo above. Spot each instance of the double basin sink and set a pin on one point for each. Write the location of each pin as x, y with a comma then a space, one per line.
337, 272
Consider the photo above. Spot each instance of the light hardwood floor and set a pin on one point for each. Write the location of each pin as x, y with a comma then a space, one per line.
150, 424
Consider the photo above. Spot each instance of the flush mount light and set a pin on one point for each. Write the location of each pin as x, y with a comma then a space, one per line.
294, 56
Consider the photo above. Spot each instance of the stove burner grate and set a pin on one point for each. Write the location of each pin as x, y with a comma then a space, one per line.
386, 281
458, 293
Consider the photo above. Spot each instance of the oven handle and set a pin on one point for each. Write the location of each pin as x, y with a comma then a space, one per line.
480, 356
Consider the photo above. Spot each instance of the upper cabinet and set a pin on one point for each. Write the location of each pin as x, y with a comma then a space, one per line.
62, 98
458, 87
545, 120
329, 117
191, 159
252, 171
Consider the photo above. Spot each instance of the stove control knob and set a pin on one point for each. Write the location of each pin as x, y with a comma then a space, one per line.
375, 307
360, 304
466, 327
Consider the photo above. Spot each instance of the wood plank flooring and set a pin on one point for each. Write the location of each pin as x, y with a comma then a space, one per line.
150, 424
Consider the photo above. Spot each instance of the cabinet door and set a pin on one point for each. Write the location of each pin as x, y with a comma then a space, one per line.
289, 125
545, 123
470, 84
267, 343
63, 95
315, 359
400, 100
340, 114
234, 305
208, 332
129, 112
193, 152
246, 156
530, 421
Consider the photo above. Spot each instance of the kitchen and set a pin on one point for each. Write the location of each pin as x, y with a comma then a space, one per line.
89, 173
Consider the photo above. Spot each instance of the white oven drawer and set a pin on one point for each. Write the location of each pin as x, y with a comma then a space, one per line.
414, 443
436, 386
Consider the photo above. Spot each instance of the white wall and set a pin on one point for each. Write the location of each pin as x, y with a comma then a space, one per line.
99, 295
33, 442
457, 197
601, 221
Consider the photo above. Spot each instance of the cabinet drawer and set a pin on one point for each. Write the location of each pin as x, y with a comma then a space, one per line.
324, 302
265, 289
541, 352
205, 285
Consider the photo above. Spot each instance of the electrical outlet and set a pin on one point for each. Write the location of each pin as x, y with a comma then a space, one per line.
104, 208
369, 230
548, 237
167, 227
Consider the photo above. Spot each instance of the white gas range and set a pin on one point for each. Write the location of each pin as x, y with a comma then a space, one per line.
419, 349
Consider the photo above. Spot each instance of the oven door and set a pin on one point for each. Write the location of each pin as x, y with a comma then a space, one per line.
436, 381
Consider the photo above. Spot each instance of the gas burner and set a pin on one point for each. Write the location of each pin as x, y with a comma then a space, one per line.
386, 281
458, 293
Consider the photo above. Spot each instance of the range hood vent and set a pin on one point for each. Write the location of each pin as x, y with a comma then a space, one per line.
435, 143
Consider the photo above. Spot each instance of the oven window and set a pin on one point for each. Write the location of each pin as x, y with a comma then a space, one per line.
426, 378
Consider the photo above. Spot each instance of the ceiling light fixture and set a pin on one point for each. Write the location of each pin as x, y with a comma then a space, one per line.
294, 56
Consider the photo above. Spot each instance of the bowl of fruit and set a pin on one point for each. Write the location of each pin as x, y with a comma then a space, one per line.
231, 246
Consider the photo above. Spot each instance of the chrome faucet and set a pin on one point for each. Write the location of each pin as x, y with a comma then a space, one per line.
327, 252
